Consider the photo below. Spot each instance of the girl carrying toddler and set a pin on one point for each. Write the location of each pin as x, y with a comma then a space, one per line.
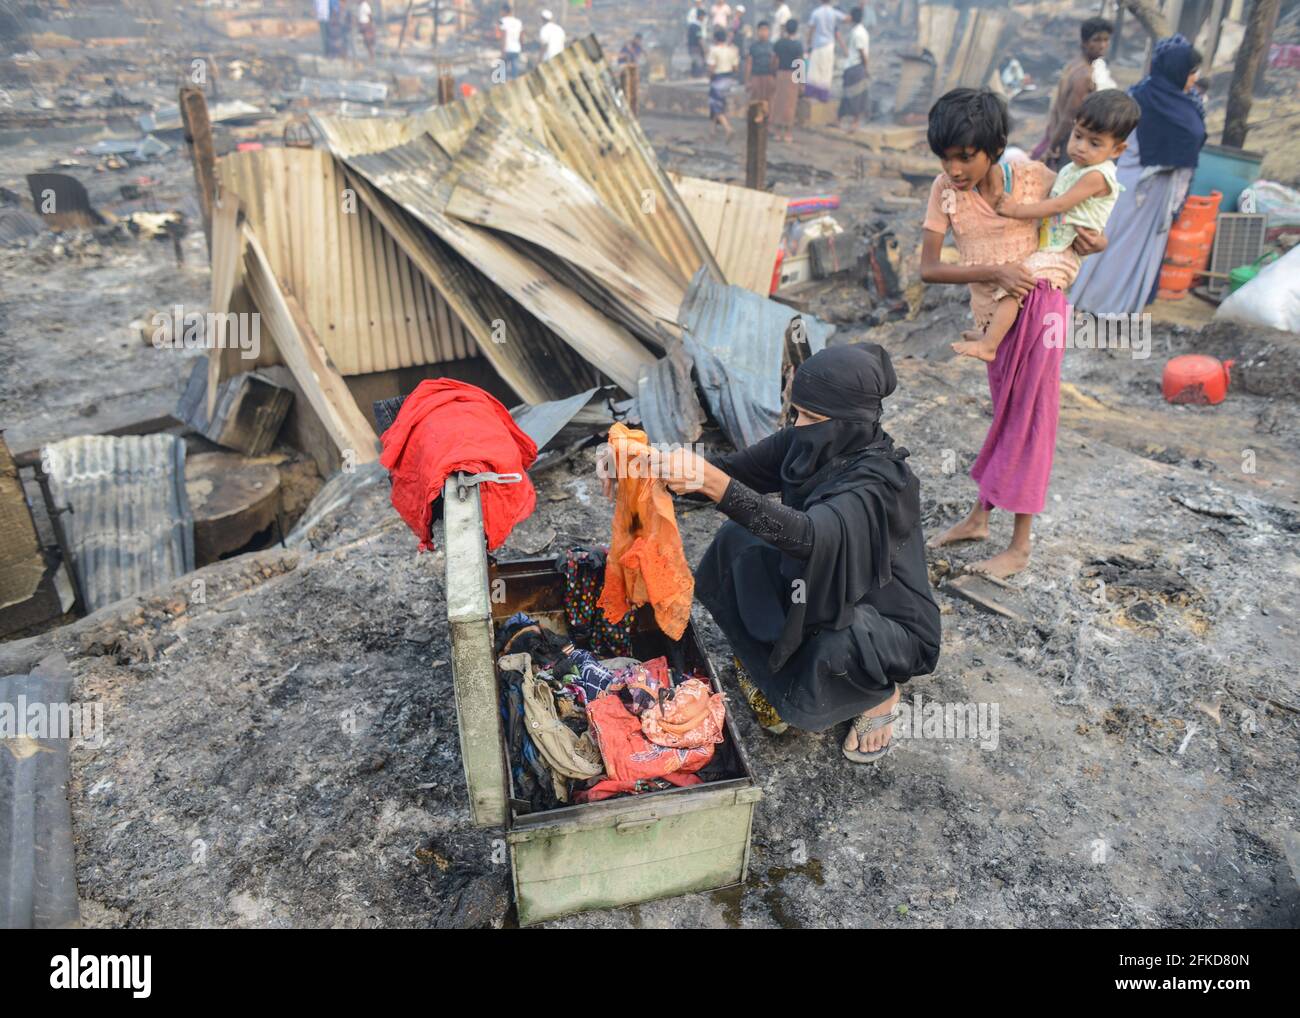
968, 132
1084, 194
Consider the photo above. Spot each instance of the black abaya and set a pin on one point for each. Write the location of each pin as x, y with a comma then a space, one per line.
825, 638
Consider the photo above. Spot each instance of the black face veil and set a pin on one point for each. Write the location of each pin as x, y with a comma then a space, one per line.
846, 474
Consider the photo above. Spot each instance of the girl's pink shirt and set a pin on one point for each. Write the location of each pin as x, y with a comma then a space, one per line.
982, 236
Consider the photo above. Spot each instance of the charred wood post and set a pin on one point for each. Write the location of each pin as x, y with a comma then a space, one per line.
198, 139
631, 82
756, 147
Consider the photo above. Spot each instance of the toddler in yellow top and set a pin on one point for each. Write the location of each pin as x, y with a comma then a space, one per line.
1084, 193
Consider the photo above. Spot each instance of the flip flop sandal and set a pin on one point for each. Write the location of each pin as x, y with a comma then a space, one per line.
863, 726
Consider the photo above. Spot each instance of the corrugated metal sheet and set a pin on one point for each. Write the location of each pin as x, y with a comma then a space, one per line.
506, 181
741, 225
737, 340
414, 176
130, 526
571, 105
524, 353
666, 403
543, 422
38, 878
370, 305
358, 136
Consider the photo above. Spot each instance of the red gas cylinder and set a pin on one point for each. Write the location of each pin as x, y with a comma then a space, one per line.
1196, 378
1191, 239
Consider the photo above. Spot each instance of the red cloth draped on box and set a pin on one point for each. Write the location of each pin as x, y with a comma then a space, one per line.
446, 427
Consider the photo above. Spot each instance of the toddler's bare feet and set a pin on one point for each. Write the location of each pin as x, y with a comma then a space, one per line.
977, 349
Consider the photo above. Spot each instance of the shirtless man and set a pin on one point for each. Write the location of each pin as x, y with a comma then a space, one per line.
1076, 82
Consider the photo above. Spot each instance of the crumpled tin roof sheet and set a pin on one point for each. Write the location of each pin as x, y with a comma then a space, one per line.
129, 525
666, 403
507, 181
413, 176
371, 307
737, 340
572, 106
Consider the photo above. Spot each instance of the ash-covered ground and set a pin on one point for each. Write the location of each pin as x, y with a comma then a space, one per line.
281, 745
286, 752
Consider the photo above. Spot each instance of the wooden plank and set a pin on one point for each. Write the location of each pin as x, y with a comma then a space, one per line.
21, 563
302, 351
986, 595
227, 246
198, 139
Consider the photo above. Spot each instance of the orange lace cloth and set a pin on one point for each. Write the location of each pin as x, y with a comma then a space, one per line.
693, 717
646, 563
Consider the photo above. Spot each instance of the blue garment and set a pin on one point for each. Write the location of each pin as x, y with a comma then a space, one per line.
583, 670
1172, 129
824, 20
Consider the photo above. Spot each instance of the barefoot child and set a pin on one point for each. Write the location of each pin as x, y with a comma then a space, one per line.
1084, 194
968, 132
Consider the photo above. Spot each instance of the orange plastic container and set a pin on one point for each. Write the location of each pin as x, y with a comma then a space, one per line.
1196, 378
1191, 239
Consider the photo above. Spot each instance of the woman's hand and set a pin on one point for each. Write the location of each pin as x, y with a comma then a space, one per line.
683, 470
1014, 278
1088, 241
680, 470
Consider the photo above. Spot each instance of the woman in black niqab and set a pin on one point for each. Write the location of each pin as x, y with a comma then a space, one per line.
824, 596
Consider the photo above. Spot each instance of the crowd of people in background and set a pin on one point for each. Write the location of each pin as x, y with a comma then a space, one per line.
340, 21
778, 59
